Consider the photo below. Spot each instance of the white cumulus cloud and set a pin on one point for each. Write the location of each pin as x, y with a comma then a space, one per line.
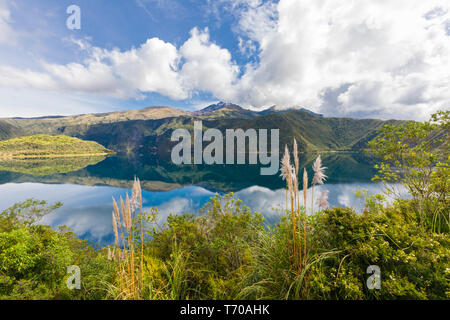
388, 59
381, 58
121, 74
208, 67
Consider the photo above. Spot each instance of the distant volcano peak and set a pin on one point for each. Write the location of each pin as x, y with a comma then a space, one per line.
284, 109
215, 107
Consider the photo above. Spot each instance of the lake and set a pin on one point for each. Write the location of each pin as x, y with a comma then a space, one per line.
86, 186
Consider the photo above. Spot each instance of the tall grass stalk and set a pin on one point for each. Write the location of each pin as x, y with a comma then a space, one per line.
176, 273
287, 173
297, 198
128, 227
305, 198
298, 214
318, 178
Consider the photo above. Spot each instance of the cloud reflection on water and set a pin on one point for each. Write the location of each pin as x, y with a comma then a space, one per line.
87, 209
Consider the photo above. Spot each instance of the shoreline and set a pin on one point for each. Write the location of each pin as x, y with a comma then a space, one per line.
55, 156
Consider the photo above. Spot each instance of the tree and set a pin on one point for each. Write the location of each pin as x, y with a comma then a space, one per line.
416, 155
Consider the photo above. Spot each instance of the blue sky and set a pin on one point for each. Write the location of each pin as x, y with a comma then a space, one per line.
341, 58
118, 24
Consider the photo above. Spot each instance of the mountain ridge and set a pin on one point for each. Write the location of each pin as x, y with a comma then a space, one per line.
151, 112
277, 109
148, 130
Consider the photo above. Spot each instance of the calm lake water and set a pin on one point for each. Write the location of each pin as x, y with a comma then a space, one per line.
86, 187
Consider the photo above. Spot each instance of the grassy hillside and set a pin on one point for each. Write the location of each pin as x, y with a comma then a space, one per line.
56, 124
313, 133
46, 145
148, 130
7, 130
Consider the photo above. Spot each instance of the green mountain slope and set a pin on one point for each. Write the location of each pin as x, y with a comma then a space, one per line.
46, 145
148, 130
8, 130
55, 124
319, 133
313, 133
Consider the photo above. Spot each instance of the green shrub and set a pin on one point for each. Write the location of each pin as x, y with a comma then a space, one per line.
413, 260
34, 258
216, 246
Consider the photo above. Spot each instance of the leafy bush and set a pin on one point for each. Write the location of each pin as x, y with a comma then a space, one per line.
216, 246
34, 258
413, 261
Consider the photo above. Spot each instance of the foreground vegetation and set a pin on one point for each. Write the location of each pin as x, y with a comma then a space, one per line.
227, 252
43, 145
